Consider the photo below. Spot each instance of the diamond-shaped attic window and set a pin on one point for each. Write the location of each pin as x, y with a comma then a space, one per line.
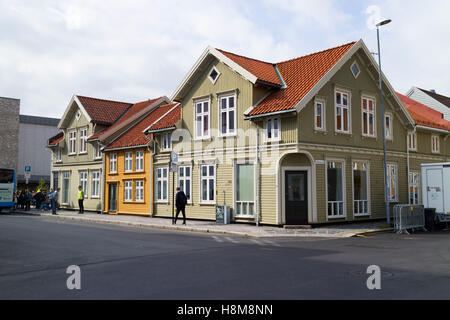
213, 75
355, 69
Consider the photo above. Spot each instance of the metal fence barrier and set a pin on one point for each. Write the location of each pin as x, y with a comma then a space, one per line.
408, 217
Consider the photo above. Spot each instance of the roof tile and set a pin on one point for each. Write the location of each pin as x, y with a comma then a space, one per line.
104, 111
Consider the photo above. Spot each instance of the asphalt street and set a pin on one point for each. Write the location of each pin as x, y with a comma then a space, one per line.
118, 262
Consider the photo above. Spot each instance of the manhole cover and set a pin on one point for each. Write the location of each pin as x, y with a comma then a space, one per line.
359, 273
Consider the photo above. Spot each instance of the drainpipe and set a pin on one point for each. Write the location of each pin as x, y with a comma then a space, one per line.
102, 204
152, 154
407, 160
257, 175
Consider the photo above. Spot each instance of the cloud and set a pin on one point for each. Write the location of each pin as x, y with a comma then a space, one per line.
133, 50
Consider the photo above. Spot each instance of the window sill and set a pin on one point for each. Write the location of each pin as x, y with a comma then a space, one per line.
81, 153
322, 131
207, 203
337, 217
95, 197
115, 173
203, 139
224, 136
349, 134
369, 137
361, 215
244, 217
162, 201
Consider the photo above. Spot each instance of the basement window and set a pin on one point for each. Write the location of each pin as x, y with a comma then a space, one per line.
213, 75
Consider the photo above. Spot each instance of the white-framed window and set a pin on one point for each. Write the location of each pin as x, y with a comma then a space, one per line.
84, 181
412, 141
139, 190
72, 141
113, 163
208, 183
227, 115
58, 155
202, 120
319, 115
185, 180
335, 189
435, 146
392, 178
65, 187
213, 75
139, 160
95, 185
98, 151
128, 190
272, 129
355, 69
162, 184
245, 190
342, 111
166, 141
128, 161
413, 182
83, 140
368, 117
360, 188
388, 127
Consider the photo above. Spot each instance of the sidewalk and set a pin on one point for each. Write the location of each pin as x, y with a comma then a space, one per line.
246, 230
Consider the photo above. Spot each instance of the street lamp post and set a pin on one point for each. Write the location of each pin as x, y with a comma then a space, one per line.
386, 198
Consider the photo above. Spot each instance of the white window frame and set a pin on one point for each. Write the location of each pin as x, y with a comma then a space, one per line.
95, 184
388, 166
72, 142
127, 190
208, 177
344, 195
58, 154
182, 181
97, 151
389, 136
128, 162
341, 107
366, 163
166, 141
139, 190
268, 125
202, 115
323, 122
240, 202
412, 184
163, 180
351, 69
412, 141
368, 112
113, 163
65, 175
139, 160
209, 75
435, 144
84, 181
83, 140
227, 111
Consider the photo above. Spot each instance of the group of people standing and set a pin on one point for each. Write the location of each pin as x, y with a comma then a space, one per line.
41, 199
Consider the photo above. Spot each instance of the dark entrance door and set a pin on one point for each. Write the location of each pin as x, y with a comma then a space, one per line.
296, 197
113, 197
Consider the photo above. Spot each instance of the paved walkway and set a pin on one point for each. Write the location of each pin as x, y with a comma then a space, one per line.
332, 231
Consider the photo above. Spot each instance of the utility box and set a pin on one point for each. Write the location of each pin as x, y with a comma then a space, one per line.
223, 215
436, 188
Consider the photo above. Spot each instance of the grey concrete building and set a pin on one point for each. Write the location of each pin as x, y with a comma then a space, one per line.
9, 132
33, 135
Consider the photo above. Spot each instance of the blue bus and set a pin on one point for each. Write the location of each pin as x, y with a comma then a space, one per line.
7, 188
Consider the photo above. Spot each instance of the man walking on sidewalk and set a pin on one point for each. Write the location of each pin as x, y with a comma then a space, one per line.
54, 196
80, 199
180, 202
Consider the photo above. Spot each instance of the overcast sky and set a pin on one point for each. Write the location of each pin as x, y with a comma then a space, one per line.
134, 50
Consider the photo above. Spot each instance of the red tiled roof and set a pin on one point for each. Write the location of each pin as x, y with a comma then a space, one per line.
134, 136
104, 111
300, 76
134, 109
423, 115
53, 141
169, 120
264, 71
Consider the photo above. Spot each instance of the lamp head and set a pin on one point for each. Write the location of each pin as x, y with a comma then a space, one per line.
382, 23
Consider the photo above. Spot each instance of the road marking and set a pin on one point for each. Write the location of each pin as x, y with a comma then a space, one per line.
217, 239
231, 240
272, 243
257, 242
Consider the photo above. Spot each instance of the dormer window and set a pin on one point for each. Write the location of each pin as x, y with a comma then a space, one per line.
213, 75
355, 69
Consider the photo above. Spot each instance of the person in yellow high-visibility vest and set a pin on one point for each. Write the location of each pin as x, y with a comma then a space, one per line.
80, 199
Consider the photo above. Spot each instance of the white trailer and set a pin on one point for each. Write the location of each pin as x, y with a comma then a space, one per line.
436, 188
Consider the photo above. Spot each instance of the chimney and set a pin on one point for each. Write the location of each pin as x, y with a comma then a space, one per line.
432, 90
